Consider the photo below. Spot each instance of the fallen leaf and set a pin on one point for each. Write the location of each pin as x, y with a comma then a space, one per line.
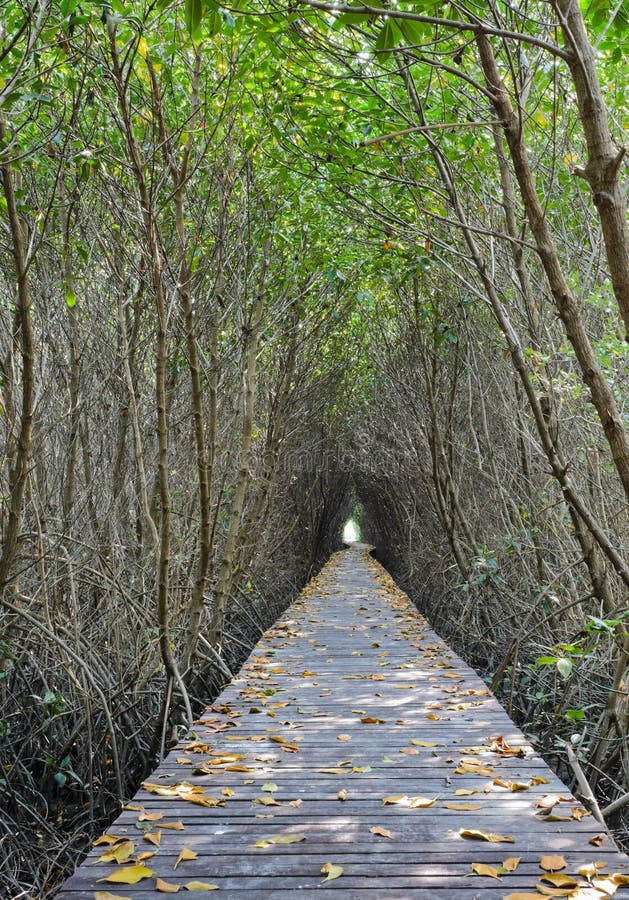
166, 887
279, 839
550, 800
597, 840
185, 855
591, 870
493, 838
342, 795
150, 817
521, 896
172, 826
108, 839
463, 806
343, 737
119, 853
605, 885
331, 872
511, 863
154, 837
423, 743
370, 720
200, 886
107, 895
128, 875
266, 801
465, 792
552, 863
482, 869
380, 831
559, 880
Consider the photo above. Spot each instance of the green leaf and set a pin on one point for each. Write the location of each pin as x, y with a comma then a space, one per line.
193, 15
70, 298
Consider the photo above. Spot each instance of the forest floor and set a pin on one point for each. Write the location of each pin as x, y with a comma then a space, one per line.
356, 753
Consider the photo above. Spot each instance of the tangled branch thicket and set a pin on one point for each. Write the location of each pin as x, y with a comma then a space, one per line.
260, 273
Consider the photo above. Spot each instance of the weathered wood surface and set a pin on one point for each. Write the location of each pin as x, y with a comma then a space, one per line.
352, 692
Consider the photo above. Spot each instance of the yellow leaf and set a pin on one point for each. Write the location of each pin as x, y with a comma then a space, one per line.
140, 857
559, 880
184, 760
143, 48
166, 887
463, 806
482, 869
227, 792
119, 853
154, 837
265, 800
342, 795
620, 878
172, 826
184, 856
552, 863
511, 863
150, 817
343, 737
108, 839
423, 743
521, 896
128, 875
107, 895
280, 839
200, 886
331, 872
382, 832
465, 792
554, 891
493, 838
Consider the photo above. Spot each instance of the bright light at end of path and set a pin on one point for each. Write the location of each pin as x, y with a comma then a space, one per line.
351, 532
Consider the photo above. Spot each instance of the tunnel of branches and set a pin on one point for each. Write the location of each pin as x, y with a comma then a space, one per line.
266, 270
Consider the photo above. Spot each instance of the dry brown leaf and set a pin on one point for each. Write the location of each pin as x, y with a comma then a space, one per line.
380, 831
154, 837
493, 837
521, 896
552, 863
150, 817
597, 840
173, 826
109, 839
265, 800
331, 872
185, 855
483, 869
166, 887
559, 880
342, 795
279, 839
371, 720
463, 806
511, 863
128, 875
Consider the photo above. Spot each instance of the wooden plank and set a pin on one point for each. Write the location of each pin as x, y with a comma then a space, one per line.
352, 691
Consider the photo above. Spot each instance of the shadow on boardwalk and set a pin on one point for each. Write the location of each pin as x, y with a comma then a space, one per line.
353, 741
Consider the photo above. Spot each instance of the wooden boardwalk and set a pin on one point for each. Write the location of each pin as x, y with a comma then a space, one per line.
354, 739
